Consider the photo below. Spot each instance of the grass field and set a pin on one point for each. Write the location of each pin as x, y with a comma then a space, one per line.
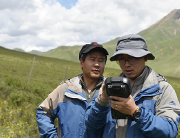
20, 99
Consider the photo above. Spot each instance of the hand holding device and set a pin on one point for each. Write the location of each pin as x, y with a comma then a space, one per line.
121, 87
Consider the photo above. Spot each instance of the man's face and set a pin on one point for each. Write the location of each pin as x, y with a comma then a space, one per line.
93, 66
132, 67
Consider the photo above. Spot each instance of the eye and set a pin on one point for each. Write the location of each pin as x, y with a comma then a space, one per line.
101, 60
92, 58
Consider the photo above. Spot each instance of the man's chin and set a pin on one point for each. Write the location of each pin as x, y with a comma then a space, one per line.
129, 76
95, 76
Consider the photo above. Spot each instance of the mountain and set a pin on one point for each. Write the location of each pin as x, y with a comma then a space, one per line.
162, 40
19, 49
166, 29
36, 52
64, 52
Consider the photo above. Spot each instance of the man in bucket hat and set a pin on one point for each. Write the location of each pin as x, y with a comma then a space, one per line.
153, 107
70, 100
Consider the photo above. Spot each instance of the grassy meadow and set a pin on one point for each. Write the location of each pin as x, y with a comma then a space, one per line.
20, 99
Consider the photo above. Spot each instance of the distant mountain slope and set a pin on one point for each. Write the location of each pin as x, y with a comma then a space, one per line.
112, 42
35, 52
64, 52
163, 39
19, 49
166, 29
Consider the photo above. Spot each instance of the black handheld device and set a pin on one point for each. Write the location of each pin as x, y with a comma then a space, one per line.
118, 86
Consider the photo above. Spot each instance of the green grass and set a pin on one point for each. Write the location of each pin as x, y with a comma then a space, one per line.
20, 99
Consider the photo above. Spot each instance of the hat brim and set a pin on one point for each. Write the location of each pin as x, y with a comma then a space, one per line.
133, 52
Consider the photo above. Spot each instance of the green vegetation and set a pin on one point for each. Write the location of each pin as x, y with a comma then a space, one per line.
20, 99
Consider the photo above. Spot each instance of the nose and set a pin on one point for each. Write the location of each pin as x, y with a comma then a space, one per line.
96, 64
127, 62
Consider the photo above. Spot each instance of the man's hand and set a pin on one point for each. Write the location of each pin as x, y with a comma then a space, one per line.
124, 105
104, 95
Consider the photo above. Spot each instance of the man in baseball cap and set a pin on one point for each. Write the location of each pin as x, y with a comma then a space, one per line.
70, 100
153, 107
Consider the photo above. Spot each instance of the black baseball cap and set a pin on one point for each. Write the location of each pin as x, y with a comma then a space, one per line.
88, 47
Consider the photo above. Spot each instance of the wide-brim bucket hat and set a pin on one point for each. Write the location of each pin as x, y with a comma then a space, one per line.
133, 45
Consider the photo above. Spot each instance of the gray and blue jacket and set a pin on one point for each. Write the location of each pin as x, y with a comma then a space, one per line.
69, 104
160, 111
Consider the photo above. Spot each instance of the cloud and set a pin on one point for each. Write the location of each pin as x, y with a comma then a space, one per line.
17, 5
46, 24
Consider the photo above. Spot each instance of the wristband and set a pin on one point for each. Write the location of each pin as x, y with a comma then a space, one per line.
134, 111
102, 102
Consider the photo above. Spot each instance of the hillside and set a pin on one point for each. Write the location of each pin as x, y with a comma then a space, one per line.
18, 64
20, 99
167, 28
64, 52
19, 49
36, 52
162, 39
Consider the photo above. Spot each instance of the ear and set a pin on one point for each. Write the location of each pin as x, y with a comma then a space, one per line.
81, 63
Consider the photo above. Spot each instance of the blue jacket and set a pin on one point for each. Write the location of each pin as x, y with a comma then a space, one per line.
159, 117
68, 103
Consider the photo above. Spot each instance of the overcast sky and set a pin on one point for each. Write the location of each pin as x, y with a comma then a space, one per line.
46, 24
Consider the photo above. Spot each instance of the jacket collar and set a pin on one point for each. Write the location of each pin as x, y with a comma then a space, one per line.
148, 82
75, 83
151, 86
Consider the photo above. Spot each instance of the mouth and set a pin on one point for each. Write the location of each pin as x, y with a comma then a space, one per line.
128, 71
96, 71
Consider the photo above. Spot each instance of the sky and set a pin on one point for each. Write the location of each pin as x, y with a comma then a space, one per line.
47, 24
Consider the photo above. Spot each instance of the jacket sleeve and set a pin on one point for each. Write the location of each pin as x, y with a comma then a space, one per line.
96, 116
47, 113
164, 124
45, 124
